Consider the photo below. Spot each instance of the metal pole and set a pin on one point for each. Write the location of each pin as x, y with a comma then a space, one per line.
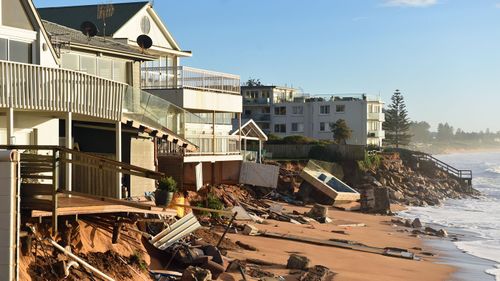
227, 228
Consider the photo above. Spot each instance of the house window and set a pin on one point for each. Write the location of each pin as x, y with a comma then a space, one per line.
297, 127
19, 51
248, 112
298, 110
340, 108
324, 109
266, 110
322, 126
265, 94
280, 128
280, 110
3, 49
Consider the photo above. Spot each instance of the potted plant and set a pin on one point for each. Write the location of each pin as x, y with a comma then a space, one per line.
167, 186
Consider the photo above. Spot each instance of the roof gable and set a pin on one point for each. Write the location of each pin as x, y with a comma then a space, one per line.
162, 39
21, 19
74, 16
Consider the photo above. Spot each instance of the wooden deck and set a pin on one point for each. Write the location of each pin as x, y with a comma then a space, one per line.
83, 205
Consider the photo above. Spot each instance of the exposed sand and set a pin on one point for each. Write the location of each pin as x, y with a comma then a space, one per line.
348, 264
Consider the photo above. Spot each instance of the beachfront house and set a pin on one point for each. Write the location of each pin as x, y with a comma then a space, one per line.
213, 98
59, 87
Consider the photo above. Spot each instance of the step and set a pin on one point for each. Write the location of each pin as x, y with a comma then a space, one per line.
36, 204
34, 189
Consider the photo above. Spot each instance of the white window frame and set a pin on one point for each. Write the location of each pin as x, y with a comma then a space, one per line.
337, 107
326, 106
296, 111
324, 126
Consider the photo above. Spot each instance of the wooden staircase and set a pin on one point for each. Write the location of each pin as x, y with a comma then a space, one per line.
39, 180
463, 176
42, 182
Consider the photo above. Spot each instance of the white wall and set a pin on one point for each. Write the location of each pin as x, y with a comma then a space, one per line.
132, 29
201, 101
355, 115
47, 129
36, 38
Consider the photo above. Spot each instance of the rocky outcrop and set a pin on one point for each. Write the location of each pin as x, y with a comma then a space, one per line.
407, 184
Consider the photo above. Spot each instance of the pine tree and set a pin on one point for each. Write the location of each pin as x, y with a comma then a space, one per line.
397, 123
341, 132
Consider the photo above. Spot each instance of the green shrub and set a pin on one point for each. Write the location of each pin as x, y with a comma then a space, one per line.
168, 183
321, 152
212, 202
298, 140
371, 161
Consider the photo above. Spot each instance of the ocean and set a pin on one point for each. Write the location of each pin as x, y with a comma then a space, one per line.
479, 219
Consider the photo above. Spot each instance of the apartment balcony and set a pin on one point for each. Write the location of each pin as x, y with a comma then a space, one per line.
257, 101
378, 116
376, 134
194, 89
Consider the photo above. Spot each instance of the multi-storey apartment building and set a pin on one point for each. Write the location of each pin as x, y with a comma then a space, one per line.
312, 117
212, 98
258, 101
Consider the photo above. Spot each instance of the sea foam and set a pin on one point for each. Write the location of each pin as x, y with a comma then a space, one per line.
480, 217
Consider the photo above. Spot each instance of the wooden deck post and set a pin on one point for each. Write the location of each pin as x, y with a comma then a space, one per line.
10, 126
55, 183
118, 157
69, 145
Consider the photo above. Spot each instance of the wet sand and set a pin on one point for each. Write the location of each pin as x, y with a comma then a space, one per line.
347, 264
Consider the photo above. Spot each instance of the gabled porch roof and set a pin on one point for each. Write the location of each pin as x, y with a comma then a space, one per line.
249, 130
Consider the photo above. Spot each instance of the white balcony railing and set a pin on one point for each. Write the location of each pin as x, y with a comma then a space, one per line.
379, 116
218, 145
38, 88
376, 134
189, 78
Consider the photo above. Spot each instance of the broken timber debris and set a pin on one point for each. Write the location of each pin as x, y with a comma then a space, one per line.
176, 231
363, 248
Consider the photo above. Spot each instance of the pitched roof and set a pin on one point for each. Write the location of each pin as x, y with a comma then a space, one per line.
75, 37
74, 16
249, 130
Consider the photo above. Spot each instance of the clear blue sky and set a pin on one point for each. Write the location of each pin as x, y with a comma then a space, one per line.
444, 55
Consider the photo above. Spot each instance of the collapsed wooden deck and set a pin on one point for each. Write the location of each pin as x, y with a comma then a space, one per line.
83, 205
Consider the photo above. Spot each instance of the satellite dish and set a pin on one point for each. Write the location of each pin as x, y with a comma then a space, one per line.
88, 29
144, 41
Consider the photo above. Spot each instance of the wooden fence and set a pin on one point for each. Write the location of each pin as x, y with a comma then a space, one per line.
301, 151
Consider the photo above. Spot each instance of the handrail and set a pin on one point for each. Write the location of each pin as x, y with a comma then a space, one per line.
124, 167
461, 174
60, 155
171, 77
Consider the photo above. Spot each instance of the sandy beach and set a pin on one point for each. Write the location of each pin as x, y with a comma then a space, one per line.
347, 264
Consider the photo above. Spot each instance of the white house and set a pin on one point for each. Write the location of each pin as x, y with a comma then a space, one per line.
311, 117
62, 89
212, 97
